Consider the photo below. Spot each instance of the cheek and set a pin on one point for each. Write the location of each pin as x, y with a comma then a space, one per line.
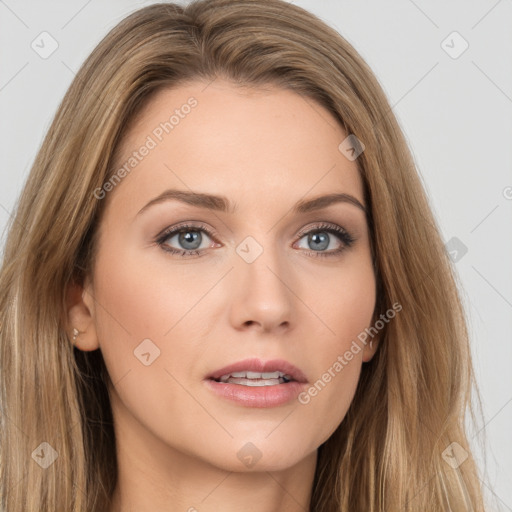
352, 304
344, 303
347, 307
135, 301
140, 299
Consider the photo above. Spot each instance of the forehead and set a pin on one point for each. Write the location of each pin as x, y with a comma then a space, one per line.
224, 139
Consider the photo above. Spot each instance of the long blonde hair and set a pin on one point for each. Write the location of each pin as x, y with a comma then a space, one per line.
412, 398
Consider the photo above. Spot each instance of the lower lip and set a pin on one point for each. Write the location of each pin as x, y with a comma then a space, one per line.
257, 396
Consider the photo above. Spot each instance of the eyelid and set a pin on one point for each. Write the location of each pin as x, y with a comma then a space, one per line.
183, 226
321, 226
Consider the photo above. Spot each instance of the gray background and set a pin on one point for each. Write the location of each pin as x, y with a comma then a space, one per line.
455, 112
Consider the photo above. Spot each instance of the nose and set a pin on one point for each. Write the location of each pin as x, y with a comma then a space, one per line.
263, 297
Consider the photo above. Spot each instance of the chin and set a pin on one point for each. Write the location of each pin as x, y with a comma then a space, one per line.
260, 454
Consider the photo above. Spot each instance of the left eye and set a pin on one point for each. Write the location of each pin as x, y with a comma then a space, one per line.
321, 240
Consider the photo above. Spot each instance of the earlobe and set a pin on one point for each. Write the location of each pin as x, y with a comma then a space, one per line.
371, 348
80, 324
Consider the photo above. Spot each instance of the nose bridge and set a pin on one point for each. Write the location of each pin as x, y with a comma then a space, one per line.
263, 294
262, 255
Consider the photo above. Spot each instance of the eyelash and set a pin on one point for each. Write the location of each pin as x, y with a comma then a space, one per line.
346, 239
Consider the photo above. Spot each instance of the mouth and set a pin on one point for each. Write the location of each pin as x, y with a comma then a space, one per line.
248, 378
257, 373
255, 383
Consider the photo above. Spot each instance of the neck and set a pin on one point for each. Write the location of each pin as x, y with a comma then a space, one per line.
190, 485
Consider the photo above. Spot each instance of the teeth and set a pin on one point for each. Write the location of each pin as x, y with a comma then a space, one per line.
271, 375
255, 382
249, 378
255, 375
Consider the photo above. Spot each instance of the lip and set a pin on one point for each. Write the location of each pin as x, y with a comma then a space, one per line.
264, 396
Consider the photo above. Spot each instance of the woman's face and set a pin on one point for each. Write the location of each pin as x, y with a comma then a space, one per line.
271, 279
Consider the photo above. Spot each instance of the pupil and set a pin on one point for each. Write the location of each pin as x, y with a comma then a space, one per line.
190, 237
321, 239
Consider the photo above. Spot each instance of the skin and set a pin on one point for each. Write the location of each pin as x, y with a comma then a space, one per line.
177, 442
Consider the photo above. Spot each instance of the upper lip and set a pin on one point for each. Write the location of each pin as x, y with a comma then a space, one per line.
257, 365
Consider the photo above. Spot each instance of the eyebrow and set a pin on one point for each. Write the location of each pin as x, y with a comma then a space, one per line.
222, 204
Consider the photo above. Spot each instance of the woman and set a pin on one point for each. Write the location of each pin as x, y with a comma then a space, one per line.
224, 288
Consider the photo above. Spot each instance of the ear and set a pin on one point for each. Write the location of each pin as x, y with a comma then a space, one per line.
80, 316
370, 347
372, 336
